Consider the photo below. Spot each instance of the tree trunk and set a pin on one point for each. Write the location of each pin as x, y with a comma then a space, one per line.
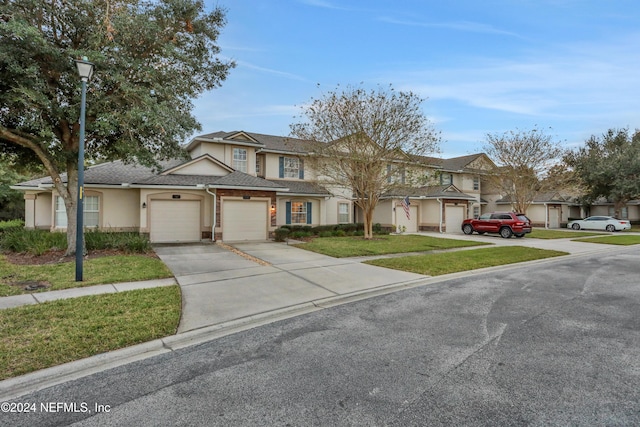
368, 222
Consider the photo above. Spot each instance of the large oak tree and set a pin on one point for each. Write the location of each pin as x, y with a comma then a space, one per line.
361, 137
151, 59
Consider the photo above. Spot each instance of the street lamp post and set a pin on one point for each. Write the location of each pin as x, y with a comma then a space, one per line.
85, 69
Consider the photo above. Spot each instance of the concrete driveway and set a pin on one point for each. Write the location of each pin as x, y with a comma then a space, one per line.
219, 285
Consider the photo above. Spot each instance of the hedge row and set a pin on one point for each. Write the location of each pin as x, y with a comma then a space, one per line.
336, 230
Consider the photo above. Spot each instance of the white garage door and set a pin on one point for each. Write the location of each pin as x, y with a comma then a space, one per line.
411, 224
244, 220
454, 215
174, 221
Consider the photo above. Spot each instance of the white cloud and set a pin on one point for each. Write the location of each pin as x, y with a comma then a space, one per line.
466, 26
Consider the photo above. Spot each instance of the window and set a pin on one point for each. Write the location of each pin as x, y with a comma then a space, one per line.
476, 212
258, 166
291, 167
343, 213
298, 213
624, 212
91, 209
395, 174
446, 179
476, 183
240, 159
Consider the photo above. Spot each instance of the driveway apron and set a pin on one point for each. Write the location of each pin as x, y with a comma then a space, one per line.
219, 285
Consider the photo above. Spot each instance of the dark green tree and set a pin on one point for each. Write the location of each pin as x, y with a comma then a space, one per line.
151, 59
608, 166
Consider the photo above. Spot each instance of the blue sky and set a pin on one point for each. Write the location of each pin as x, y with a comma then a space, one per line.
571, 67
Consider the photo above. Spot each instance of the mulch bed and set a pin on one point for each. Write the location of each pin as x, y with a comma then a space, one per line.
57, 256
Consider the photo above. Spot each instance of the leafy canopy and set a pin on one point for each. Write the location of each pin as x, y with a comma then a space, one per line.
608, 166
363, 137
151, 58
523, 159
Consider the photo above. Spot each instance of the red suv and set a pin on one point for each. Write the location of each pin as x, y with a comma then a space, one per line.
505, 223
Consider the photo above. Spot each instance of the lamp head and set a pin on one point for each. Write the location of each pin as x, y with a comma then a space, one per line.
85, 68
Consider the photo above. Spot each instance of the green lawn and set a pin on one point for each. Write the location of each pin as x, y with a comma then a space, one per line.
39, 336
619, 239
542, 233
451, 262
109, 269
341, 247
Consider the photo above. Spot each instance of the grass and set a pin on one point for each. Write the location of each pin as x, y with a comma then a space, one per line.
542, 233
452, 262
109, 269
39, 336
340, 247
624, 239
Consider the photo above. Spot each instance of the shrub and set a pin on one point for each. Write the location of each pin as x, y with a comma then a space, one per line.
325, 234
299, 234
14, 224
281, 234
37, 242
339, 233
34, 242
125, 241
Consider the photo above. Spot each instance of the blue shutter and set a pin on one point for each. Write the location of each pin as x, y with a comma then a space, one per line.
308, 212
288, 210
281, 173
301, 169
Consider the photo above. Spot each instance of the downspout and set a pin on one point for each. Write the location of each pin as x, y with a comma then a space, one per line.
440, 223
546, 216
213, 225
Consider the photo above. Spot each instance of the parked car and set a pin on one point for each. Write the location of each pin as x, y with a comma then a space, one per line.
605, 223
507, 224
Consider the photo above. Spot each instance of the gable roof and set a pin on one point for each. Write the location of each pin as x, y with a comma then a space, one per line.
266, 143
202, 158
118, 173
449, 191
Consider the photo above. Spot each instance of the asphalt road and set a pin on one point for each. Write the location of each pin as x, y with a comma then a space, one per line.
547, 344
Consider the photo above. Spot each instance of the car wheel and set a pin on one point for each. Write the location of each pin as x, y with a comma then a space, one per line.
519, 235
506, 232
611, 227
576, 226
467, 229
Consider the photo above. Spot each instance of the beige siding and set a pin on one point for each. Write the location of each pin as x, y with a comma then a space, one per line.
119, 208
203, 167
383, 213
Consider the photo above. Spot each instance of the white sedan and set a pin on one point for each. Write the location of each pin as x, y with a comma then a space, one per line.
606, 223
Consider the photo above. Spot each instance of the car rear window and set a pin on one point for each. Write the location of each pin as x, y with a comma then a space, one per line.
523, 218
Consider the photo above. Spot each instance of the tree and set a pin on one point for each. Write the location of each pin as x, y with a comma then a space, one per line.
523, 159
609, 167
359, 135
151, 59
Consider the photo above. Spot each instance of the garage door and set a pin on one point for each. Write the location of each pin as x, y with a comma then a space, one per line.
244, 220
401, 218
174, 221
454, 215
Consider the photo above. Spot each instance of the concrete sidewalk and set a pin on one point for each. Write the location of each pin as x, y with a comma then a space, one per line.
40, 297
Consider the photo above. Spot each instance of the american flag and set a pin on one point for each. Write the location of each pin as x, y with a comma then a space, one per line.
405, 206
